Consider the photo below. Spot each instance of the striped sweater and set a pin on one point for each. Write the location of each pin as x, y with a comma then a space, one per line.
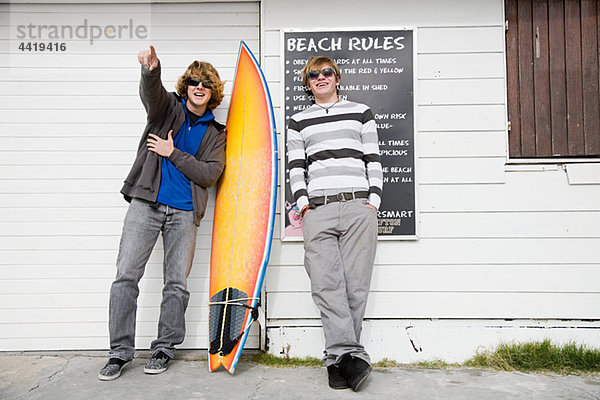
334, 150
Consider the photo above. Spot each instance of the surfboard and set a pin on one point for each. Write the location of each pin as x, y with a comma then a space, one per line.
244, 214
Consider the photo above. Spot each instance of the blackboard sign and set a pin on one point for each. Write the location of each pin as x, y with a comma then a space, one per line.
377, 69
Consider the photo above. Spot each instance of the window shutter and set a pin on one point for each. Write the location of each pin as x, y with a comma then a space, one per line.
553, 78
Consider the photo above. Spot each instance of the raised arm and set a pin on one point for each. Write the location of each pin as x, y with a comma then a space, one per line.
154, 96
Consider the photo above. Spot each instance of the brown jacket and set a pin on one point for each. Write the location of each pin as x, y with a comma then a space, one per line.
165, 112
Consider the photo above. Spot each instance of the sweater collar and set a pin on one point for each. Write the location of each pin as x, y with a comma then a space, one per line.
208, 114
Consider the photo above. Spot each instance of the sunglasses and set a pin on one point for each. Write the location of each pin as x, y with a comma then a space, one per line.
195, 82
327, 72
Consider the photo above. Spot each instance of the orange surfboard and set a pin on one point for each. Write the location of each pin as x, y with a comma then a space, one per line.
244, 214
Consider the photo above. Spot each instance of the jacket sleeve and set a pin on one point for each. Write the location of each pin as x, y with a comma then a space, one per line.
154, 96
205, 172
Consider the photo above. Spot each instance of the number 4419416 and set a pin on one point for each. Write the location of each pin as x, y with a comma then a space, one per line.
41, 46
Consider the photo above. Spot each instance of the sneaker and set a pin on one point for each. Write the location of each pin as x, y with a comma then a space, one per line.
112, 370
355, 370
336, 380
157, 364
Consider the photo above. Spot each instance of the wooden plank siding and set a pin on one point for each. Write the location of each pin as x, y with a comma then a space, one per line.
541, 71
590, 54
558, 82
574, 83
552, 77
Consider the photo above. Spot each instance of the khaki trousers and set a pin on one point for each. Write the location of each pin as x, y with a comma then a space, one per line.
340, 240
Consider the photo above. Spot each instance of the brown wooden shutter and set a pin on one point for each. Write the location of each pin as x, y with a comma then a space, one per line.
553, 58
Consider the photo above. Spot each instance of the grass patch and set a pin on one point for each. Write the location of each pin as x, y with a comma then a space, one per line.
271, 360
285, 362
538, 357
434, 364
387, 363
525, 357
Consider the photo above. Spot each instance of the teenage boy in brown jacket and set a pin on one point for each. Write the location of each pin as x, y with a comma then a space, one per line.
180, 155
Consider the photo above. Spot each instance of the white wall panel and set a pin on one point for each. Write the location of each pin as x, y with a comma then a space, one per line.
70, 124
79, 228
85, 157
460, 66
32, 171
445, 251
451, 144
461, 91
61, 200
468, 39
40, 130
71, 117
66, 144
442, 278
453, 170
539, 190
565, 224
451, 305
461, 118
58, 257
101, 61
494, 241
454, 341
46, 186
424, 13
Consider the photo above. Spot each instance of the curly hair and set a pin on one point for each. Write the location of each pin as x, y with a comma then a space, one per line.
204, 71
315, 62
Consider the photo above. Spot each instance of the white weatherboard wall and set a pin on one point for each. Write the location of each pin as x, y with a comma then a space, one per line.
505, 252
70, 124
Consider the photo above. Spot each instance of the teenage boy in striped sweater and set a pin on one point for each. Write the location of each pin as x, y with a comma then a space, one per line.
336, 179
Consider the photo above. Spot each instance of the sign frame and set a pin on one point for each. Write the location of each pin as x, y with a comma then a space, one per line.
285, 210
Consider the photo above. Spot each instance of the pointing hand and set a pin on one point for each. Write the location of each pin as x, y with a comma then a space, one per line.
148, 58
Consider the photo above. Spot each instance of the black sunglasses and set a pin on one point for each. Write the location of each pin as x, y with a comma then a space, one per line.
327, 72
195, 82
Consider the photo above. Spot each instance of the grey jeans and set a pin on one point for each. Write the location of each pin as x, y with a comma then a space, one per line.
143, 224
340, 240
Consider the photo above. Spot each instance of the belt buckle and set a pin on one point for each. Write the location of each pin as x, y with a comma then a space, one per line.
341, 197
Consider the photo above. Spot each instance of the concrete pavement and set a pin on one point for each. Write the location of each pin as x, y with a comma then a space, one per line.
66, 376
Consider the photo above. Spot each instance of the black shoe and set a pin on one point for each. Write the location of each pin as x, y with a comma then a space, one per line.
336, 380
112, 370
157, 364
355, 370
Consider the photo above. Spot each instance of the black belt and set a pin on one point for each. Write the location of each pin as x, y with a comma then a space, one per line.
345, 196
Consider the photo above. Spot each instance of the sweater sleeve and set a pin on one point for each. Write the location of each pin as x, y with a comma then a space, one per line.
371, 158
297, 164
